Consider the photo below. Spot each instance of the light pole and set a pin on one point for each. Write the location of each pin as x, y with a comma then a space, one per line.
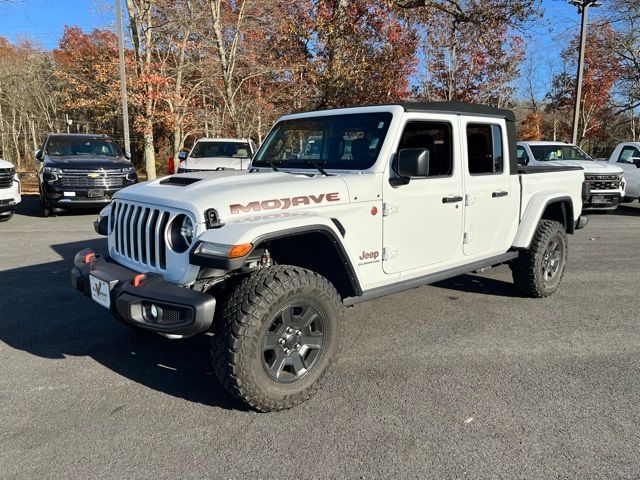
583, 8
123, 80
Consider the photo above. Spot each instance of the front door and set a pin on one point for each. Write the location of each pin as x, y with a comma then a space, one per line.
492, 197
423, 219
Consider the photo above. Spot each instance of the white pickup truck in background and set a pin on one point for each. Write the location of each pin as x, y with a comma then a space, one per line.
9, 190
627, 156
217, 154
606, 182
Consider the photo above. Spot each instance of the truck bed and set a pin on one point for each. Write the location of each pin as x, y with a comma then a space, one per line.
527, 170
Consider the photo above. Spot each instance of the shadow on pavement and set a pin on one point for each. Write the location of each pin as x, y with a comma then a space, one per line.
43, 315
30, 207
627, 210
482, 285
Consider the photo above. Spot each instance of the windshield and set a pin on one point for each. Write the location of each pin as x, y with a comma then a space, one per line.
64, 146
346, 142
545, 153
204, 149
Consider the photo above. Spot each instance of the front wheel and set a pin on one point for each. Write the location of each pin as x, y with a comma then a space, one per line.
277, 336
537, 272
7, 217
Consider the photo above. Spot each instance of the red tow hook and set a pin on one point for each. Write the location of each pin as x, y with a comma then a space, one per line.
138, 279
89, 257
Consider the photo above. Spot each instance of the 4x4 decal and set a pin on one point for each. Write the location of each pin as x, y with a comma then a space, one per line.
284, 203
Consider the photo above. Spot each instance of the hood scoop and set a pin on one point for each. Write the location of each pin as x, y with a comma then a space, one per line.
180, 181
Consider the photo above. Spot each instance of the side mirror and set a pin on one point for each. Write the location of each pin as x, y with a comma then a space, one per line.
127, 155
635, 161
39, 155
413, 163
183, 156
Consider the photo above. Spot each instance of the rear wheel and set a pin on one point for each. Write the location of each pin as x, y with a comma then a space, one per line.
277, 336
6, 217
537, 272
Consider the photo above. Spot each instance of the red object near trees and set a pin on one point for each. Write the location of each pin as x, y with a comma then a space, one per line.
171, 165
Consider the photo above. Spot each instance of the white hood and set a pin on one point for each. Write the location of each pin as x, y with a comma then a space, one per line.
589, 166
236, 193
211, 163
5, 164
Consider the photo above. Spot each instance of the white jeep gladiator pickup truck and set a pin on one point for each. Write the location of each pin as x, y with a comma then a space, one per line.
9, 190
396, 196
606, 183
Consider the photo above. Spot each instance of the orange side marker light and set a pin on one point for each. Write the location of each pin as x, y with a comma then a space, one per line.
240, 250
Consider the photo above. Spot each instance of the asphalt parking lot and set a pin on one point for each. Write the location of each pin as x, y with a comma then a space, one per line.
459, 380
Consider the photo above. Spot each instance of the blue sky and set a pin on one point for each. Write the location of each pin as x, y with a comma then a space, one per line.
43, 21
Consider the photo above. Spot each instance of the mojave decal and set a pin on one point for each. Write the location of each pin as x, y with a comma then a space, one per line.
284, 203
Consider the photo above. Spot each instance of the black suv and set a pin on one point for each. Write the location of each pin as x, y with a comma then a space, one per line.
80, 171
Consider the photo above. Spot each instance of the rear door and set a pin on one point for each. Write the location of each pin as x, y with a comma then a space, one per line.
491, 194
422, 220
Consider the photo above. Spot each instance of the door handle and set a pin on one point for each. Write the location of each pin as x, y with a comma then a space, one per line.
452, 199
499, 194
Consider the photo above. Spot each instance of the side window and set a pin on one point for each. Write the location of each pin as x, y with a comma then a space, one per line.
627, 154
484, 148
521, 153
435, 137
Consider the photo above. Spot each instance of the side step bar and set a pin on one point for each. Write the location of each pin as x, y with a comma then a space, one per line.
403, 285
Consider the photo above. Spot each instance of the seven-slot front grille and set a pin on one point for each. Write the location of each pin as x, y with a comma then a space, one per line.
603, 182
6, 177
73, 178
137, 232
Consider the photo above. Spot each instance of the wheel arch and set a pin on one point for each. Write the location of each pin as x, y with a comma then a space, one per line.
557, 208
315, 245
316, 248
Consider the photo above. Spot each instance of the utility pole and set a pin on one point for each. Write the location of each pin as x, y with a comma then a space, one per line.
123, 80
583, 9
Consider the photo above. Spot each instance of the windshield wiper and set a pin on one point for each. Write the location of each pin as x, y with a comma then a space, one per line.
308, 161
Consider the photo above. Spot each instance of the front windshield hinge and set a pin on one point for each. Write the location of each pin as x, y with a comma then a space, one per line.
388, 209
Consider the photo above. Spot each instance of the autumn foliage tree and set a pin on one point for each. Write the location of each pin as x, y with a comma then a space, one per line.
358, 51
531, 127
87, 66
232, 67
469, 64
601, 71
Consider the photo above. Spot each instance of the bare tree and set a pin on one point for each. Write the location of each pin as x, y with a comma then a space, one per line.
142, 18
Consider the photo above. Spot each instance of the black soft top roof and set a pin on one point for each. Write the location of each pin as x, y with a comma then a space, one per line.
459, 108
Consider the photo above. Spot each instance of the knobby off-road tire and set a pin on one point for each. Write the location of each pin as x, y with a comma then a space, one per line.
276, 336
538, 271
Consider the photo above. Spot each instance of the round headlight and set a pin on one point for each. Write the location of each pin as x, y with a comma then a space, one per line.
181, 233
186, 230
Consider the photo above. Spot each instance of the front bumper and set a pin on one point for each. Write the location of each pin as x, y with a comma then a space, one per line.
78, 197
8, 205
179, 311
602, 201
